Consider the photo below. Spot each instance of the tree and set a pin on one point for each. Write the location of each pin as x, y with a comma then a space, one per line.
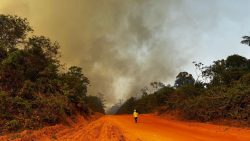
32, 59
128, 106
101, 97
75, 84
236, 61
95, 103
184, 78
34, 92
43, 46
13, 30
145, 91
224, 72
246, 40
198, 69
157, 85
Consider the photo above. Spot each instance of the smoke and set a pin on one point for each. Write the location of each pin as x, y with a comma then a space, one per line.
122, 45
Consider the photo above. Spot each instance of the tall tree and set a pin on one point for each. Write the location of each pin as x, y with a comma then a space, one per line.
224, 72
13, 30
75, 84
184, 78
156, 86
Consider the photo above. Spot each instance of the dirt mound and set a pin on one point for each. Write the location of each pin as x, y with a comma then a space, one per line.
51, 132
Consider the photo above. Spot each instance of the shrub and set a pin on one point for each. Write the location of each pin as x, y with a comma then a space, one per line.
13, 125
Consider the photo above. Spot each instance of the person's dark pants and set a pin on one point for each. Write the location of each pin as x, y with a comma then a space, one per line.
136, 119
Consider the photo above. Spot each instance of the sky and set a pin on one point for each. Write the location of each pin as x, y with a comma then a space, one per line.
124, 45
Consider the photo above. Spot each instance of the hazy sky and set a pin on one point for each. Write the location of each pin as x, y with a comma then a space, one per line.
122, 45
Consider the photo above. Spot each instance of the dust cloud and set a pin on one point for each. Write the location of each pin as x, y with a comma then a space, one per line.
122, 45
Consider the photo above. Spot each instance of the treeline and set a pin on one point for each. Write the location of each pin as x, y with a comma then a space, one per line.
221, 91
34, 89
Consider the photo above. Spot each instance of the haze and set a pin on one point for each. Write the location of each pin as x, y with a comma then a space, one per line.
122, 45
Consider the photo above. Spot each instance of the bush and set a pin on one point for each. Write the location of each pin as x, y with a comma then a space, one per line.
232, 103
28, 90
13, 125
146, 104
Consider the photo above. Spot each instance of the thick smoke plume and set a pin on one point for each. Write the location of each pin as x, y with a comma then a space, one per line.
122, 45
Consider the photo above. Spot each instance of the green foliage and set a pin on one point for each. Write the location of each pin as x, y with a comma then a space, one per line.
128, 106
146, 104
95, 104
216, 103
245, 79
34, 92
13, 30
236, 61
226, 96
28, 90
13, 125
75, 87
184, 78
33, 113
76, 83
188, 91
163, 94
225, 72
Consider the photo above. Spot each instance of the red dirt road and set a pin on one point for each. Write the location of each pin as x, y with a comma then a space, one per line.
154, 128
149, 128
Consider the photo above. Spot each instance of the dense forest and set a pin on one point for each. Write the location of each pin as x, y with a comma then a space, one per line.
220, 92
35, 89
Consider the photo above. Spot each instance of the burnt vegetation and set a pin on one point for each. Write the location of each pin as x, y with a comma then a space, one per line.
221, 92
34, 89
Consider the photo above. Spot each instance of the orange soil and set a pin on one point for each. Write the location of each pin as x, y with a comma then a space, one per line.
122, 128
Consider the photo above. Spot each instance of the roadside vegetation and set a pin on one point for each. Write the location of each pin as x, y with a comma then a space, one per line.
35, 89
221, 92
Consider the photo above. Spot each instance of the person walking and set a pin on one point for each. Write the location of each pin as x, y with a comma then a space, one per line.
135, 114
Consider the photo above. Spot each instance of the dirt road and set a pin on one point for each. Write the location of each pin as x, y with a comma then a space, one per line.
153, 128
149, 128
